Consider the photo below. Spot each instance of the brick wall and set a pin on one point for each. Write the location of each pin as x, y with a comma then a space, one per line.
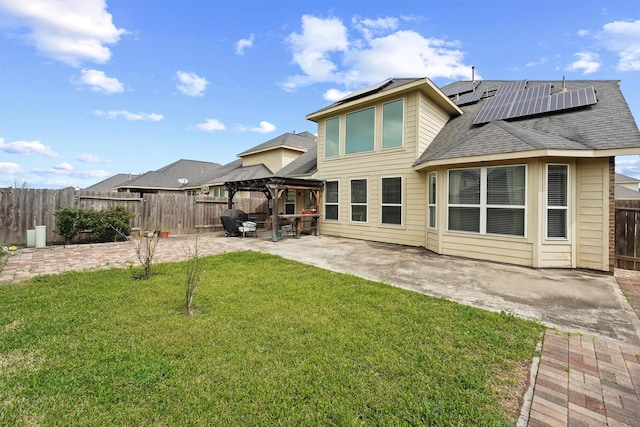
612, 214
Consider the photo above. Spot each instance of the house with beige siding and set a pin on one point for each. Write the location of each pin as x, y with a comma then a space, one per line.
518, 172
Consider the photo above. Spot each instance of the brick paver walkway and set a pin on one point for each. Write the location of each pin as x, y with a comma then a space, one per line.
580, 381
584, 381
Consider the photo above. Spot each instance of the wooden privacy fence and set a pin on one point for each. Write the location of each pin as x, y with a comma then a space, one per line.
24, 209
628, 234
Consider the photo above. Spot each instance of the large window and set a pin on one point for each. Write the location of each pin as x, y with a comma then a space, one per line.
331, 200
332, 142
392, 115
488, 200
432, 199
557, 201
359, 200
392, 200
360, 131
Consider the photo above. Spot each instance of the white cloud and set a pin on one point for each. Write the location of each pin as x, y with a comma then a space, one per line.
623, 38
64, 166
628, 165
71, 31
65, 169
325, 51
370, 27
27, 148
112, 114
243, 44
87, 158
587, 62
211, 125
583, 33
98, 81
265, 127
334, 95
191, 84
10, 168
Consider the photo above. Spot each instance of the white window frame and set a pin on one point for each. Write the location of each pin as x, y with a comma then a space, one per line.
373, 130
326, 134
401, 125
287, 202
484, 206
432, 206
548, 208
352, 204
336, 203
401, 204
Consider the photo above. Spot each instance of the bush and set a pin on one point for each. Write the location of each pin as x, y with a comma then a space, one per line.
106, 225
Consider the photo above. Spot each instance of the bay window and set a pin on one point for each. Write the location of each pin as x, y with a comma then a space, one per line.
432, 199
489, 200
557, 201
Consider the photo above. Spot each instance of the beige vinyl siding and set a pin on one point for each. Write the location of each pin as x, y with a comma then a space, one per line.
373, 166
432, 120
487, 247
553, 253
433, 241
274, 159
557, 255
592, 213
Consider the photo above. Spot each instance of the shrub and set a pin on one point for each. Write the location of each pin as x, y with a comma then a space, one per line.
104, 226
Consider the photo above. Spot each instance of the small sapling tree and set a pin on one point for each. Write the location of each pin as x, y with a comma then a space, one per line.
193, 275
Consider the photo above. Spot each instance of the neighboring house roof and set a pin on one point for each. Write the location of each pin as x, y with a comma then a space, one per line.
111, 183
605, 125
624, 179
622, 192
167, 178
295, 141
241, 173
305, 165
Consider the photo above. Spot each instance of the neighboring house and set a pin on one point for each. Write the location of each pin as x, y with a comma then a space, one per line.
110, 184
627, 187
182, 176
290, 155
510, 171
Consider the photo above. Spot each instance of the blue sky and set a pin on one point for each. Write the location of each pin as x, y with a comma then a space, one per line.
90, 88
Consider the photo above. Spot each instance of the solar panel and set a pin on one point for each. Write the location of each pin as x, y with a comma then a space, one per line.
469, 98
572, 99
513, 100
511, 87
460, 88
365, 91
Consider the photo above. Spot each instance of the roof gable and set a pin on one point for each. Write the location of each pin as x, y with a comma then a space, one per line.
293, 141
388, 87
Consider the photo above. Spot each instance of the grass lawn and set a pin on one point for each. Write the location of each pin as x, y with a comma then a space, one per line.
273, 342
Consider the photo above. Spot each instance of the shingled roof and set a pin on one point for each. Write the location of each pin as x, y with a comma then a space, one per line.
295, 141
605, 125
196, 172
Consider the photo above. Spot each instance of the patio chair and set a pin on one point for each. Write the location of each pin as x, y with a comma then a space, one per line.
288, 230
248, 227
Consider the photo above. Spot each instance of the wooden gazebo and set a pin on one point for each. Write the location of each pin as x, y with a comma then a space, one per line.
273, 187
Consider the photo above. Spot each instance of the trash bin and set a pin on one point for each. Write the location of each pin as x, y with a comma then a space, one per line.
31, 238
41, 236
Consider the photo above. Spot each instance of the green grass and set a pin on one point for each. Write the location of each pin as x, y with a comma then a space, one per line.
272, 342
